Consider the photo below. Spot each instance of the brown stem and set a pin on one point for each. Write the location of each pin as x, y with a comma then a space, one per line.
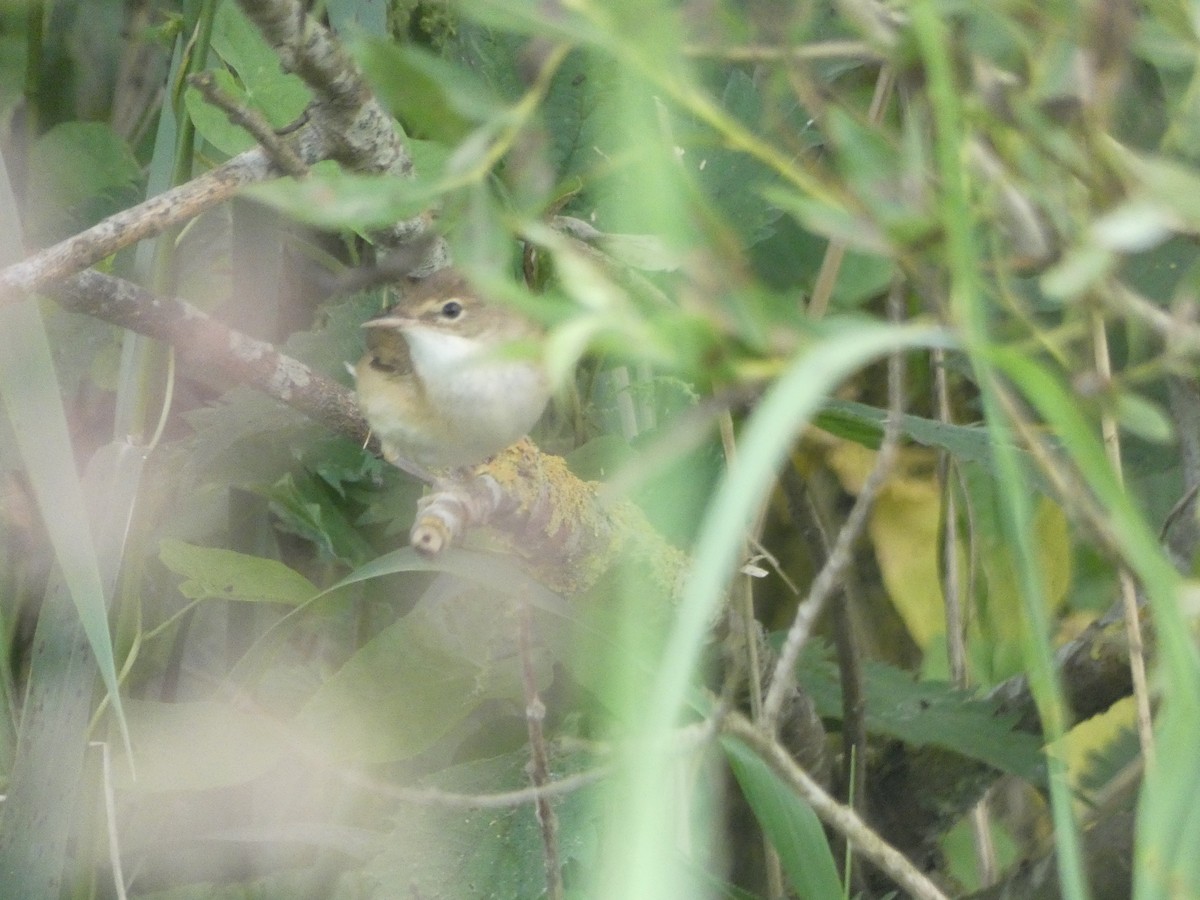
539, 768
129, 226
250, 119
211, 347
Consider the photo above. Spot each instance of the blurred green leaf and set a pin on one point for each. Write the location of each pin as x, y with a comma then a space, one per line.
30, 393
198, 746
278, 95
930, 712
1142, 417
446, 852
397, 696
794, 829
79, 172
1168, 823
332, 199
213, 573
431, 97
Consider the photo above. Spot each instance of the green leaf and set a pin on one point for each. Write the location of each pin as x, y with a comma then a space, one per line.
213, 573
278, 95
29, 390
436, 851
394, 698
835, 222
794, 829
212, 123
921, 713
309, 506
433, 98
1144, 418
79, 172
732, 179
332, 199
197, 746
1168, 822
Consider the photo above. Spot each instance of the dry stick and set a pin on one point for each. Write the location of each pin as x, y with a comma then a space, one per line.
841, 818
539, 768
812, 515
245, 116
840, 553
806, 52
1129, 601
129, 226
215, 349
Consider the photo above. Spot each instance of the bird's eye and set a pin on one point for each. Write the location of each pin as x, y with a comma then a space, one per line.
451, 309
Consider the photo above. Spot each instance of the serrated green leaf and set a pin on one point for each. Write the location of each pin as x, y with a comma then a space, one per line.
309, 507
446, 852
216, 574
793, 828
930, 712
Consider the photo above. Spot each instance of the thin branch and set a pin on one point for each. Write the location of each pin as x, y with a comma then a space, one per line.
127, 227
213, 348
1129, 600
250, 119
858, 50
841, 818
840, 554
539, 769
352, 125
560, 787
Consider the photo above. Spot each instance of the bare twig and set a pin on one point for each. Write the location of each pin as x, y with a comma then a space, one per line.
843, 819
129, 226
811, 510
804, 53
1129, 600
247, 117
560, 787
539, 769
840, 554
352, 126
215, 349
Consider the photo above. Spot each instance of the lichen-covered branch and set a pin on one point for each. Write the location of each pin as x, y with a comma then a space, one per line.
556, 522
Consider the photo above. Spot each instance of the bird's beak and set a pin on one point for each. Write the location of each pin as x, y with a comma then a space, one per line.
388, 322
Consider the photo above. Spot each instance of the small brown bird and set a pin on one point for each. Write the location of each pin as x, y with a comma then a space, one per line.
438, 384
